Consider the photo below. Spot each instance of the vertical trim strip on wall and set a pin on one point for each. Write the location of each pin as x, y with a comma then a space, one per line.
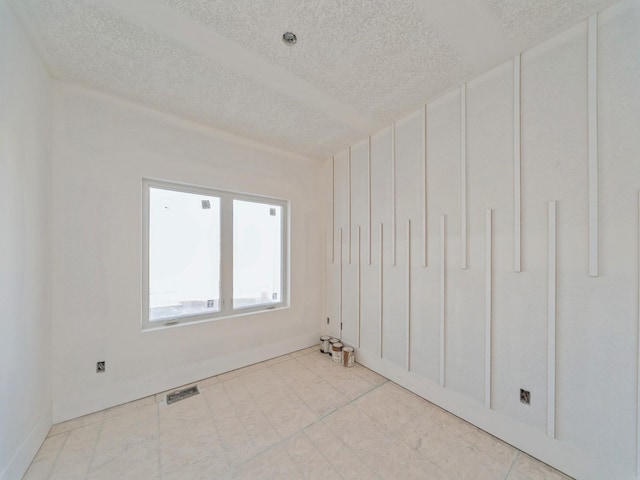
359, 285
381, 293
333, 209
349, 202
551, 318
593, 145
442, 297
488, 305
340, 306
638, 357
463, 176
424, 186
369, 198
408, 295
517, 162
393, 194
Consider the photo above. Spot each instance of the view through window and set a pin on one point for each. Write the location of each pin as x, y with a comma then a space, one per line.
211, 253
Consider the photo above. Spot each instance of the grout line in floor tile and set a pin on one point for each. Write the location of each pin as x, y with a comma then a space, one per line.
319, 418
160, 475
94, 448
55, 462
512, 464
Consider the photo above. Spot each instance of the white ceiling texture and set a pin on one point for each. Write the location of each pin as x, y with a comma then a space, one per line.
357, 65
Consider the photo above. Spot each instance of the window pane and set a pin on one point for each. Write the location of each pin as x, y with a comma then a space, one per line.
257, 254
184, 254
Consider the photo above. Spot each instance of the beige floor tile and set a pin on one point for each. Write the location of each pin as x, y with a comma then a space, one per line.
310, 461
206, 468
127, 462
305, 351
369, 375
296, 416
44, 461
128, 407
528, 468
75, 458
69, 425
341, 456
272, 464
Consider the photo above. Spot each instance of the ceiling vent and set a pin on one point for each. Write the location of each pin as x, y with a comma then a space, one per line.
289, 38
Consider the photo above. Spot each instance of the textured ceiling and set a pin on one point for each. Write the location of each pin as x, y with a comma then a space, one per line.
358, 64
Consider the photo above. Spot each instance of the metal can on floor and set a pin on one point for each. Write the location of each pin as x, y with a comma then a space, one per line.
332, 341
324, 345
336, 349
348, 356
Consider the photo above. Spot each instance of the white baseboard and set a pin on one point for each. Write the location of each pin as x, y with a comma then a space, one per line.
23, 457
560, 455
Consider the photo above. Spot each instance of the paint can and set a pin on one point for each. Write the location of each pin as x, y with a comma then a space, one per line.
324, 345
336, 350
348, 357
332, 340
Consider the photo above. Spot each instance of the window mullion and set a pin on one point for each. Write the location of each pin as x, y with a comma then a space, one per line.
226, 254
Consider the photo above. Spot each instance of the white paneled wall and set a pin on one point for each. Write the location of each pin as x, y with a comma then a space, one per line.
489, 242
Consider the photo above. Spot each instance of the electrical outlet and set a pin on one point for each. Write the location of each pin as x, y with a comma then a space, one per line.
525, 396
101, 367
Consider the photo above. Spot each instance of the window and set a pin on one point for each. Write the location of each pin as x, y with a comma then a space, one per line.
211, 254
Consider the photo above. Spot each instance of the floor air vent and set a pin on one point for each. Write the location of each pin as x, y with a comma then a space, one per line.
178, 395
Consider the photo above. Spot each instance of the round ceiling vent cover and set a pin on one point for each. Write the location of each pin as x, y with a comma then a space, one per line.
289, 38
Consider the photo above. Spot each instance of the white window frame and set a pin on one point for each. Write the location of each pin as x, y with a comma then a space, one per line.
226, 255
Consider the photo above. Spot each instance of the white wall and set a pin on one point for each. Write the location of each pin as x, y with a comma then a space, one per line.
103, 148
25, 333
596, 335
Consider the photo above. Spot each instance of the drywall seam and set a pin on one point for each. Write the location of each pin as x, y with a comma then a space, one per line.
551, 319
593, 144
463, 176
488, 305
442, 297
517, 163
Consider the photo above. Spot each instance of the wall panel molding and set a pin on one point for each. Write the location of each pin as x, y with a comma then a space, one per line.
463, 176
359, 286
593, 144
424, 187
369, 198
340, 275
333, 209
638, 343
408, 298
381, 292
393, 195
551, 320
443, 296
488, 303
517, 163
349, 233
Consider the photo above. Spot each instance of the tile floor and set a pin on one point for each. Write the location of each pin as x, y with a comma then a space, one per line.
296, 416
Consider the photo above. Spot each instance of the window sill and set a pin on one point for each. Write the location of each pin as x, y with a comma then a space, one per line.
157, 326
